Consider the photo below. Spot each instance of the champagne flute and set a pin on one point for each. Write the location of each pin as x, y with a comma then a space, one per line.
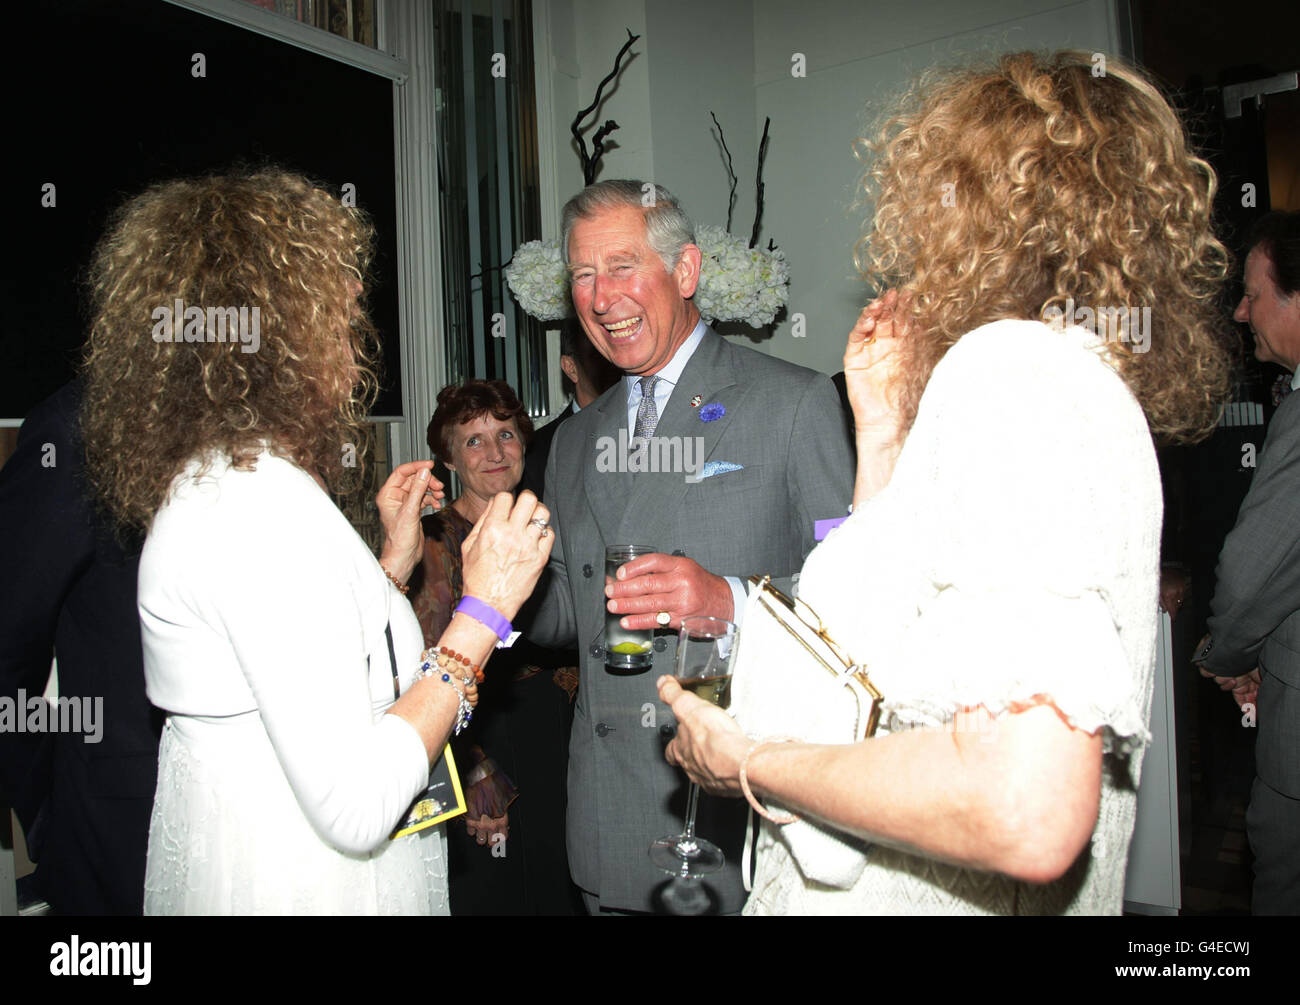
704, 668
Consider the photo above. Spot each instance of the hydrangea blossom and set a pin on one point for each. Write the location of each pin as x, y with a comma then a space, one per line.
539, 280
737, 283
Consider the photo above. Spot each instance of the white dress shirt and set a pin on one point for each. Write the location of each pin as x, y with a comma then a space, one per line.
668, 376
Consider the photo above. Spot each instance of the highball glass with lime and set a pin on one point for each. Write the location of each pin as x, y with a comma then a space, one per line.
625, 649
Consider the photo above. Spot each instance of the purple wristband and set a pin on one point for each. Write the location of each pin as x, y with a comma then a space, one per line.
489, 616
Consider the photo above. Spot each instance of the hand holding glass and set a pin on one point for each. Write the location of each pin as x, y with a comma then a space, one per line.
625, 649
704, 649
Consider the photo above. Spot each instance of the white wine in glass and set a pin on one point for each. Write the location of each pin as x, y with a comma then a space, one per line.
711, 689
704, 648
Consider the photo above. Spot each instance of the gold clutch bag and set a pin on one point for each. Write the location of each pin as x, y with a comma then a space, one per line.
778, 629
790, 678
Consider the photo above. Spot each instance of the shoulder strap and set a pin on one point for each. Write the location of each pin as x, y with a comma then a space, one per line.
392, 660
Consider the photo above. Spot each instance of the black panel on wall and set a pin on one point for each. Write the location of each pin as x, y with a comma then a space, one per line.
103, 102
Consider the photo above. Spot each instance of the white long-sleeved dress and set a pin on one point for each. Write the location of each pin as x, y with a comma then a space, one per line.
280, 777
1013, 558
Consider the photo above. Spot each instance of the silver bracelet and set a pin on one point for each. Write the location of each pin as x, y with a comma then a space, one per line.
464, 710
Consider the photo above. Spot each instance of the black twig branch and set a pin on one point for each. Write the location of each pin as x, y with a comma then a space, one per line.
758, 195
731, 173
591, 162
597, 150
492, 268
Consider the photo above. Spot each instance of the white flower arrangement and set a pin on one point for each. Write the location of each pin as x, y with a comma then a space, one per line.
539, 280
737, 283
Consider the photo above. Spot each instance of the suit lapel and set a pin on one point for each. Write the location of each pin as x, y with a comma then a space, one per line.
607, 491
655, 498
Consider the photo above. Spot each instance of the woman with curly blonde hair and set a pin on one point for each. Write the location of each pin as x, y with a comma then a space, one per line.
228, 374
1048, 232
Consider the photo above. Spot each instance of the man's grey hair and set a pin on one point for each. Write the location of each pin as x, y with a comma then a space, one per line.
667, 228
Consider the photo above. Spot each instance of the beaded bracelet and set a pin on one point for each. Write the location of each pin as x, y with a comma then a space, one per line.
456, 657
435, 661
744, 781
402, 588
431, 665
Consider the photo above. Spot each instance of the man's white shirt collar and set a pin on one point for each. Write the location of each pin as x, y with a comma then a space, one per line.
668, 376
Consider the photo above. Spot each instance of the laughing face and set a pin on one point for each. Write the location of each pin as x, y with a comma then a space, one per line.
636, 313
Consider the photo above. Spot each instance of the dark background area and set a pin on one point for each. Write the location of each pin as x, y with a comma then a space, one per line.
103, 103
1195, 48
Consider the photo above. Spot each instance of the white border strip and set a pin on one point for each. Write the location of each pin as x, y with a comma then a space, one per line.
305, 36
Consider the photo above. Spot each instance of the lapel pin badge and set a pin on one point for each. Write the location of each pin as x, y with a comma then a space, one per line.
697, 400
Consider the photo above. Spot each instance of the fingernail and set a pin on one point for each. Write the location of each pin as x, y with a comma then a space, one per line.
424, 474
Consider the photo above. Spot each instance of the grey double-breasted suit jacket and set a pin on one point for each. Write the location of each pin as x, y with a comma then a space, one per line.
784, 426
1255, 614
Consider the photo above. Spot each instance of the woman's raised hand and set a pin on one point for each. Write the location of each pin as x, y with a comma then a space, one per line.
409, 489
506, 551
871, 361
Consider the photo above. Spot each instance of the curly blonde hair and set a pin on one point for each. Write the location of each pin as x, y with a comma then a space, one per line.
267, 240
1004, 192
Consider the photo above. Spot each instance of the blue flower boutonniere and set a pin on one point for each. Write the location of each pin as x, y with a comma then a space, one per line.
713, 410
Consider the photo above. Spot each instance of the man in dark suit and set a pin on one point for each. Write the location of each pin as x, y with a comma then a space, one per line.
768, 458
69, 590
587, 375
1254, 643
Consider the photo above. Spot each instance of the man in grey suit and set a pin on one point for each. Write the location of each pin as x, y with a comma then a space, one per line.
1255, 614
775, 459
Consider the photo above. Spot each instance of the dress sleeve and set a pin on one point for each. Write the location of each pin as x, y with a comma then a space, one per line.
1044, 497
285, 592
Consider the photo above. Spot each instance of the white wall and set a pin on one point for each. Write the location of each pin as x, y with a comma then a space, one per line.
701, 58
663, 98
735, 57
858, 56
585, 36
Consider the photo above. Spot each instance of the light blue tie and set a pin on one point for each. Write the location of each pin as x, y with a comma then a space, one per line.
647, 414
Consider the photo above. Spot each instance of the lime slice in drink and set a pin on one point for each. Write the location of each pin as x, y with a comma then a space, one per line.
630, 648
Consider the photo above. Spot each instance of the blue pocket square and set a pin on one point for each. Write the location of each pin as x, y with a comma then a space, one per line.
712, 468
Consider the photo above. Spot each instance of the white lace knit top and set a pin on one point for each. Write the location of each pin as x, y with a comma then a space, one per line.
1014, 554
